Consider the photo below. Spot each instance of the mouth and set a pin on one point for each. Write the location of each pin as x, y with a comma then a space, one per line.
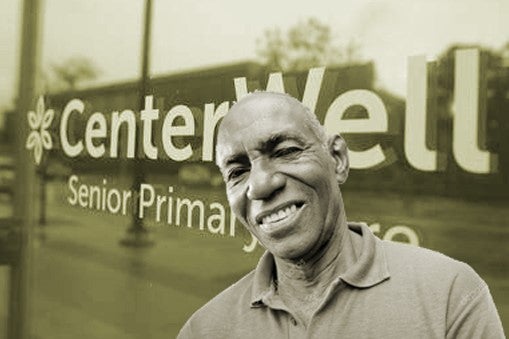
279, 214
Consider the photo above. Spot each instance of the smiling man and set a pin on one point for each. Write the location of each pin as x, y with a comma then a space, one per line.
322, 277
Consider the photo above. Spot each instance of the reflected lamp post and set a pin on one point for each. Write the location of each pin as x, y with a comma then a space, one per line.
137, 234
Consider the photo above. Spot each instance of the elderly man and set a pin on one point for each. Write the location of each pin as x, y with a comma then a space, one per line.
322, 277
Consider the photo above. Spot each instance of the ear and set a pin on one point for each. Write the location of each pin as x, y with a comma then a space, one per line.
339, 151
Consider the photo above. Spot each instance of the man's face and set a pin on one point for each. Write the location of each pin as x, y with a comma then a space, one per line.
280, 179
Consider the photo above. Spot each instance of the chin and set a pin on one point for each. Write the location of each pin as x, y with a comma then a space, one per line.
293, 253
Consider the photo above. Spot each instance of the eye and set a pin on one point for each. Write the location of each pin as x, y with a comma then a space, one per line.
285, 151
235, 173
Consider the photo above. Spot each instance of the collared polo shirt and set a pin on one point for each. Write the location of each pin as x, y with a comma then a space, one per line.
390, 290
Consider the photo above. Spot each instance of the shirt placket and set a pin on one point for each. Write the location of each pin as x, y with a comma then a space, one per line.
294, 328
316, 324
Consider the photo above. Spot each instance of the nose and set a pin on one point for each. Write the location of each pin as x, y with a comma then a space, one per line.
264, 180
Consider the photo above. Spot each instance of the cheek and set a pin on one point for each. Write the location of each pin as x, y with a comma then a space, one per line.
237, 201
314, 166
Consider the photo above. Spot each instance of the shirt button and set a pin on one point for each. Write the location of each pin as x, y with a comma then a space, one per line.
294, 322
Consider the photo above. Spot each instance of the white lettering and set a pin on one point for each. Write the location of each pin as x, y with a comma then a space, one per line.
96, 129
417, 153
211, 119
218, 219
376, 123
71, 182
70, 150
312, 89
113, 195
83, 195
144, 200
275, 83
169, 131
466, 121
248, 248
147, 116
128, 117
190, 207
406, 231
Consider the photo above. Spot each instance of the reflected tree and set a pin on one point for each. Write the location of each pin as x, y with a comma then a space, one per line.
307, 44
66, 75
271, 49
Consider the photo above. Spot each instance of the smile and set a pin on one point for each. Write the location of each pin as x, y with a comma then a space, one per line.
279, 214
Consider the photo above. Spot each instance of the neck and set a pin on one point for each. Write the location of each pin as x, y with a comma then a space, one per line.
311, 276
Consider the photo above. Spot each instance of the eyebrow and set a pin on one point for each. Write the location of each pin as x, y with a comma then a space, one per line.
268, 145
265, 146
236, 159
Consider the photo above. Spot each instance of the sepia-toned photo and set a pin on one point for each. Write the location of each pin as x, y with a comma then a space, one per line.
224, 169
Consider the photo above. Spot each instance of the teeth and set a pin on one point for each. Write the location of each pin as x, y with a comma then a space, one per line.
279, 215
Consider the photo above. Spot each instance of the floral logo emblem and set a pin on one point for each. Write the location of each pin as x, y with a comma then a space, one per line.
39, 138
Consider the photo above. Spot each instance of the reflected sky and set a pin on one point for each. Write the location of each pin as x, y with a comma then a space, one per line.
192, 33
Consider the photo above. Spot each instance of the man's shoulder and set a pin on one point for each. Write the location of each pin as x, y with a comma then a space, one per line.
239, 293
444, 286
430, 268
220, 313
401, 255
410, 264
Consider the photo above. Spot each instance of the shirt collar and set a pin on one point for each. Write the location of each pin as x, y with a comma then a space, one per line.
369, 268
263, 282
